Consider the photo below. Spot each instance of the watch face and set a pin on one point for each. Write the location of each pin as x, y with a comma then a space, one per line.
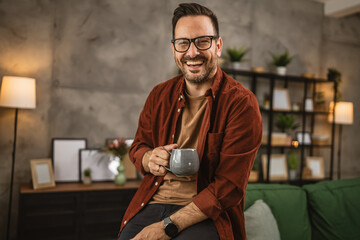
171, 230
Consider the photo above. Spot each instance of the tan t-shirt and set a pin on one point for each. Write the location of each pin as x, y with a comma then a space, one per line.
181, 190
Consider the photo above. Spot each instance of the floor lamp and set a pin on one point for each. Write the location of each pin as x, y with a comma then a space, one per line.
16, 92
344, 114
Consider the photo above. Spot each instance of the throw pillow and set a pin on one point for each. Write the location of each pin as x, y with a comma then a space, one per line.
260, 223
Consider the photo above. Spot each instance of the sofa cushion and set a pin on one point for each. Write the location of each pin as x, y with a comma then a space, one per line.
334, 209
288, 205
260, 222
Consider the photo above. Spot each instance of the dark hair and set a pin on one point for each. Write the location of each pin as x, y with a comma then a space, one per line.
193, 9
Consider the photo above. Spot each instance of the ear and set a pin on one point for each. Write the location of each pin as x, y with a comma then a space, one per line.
219, 44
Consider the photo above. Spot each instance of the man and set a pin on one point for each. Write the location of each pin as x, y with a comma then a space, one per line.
204, 109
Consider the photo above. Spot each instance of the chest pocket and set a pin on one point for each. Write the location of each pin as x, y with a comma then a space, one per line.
214, 142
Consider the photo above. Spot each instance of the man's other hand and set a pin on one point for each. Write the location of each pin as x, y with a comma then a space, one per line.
154, 231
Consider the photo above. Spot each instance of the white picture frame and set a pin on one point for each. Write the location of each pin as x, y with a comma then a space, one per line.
97, 162
66, 158
42, 173
281, 99
278, 167
316, 165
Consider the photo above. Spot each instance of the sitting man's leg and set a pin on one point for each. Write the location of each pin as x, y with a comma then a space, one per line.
157, 212
202, 230
150, 214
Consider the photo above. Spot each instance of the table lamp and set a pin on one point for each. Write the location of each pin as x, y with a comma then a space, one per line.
344, 114
16, 92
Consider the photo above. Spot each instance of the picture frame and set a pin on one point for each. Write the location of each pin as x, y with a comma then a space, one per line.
130, 170
65, 157
281, 99
278, 167
309, 105
303, 138
98, 162
316, 165
42, 173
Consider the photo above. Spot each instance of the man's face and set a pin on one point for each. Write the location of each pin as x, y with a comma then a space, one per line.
198, 66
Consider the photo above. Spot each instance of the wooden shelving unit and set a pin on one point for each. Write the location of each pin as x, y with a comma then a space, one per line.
308, 83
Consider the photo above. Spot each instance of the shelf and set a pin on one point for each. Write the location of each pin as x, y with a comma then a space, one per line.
300, 146
76, 187
269, 75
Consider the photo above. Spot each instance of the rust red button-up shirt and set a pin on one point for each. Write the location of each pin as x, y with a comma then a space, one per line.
228, 142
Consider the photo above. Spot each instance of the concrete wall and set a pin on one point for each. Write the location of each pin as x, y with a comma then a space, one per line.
96, 61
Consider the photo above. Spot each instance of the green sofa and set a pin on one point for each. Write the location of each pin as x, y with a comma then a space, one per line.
325, 210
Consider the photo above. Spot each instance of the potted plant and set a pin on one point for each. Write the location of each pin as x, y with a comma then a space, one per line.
285, 124
281, 61
320, 101
236, 56
293, 161
335, 75
87, 176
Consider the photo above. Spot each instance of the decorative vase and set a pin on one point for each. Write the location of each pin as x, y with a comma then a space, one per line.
292, 174
87, 180
120, 178
281, 70
236, 65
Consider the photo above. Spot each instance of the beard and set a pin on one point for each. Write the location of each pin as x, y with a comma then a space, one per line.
209, 67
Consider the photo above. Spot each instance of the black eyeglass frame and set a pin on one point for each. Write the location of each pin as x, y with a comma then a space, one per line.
193, 41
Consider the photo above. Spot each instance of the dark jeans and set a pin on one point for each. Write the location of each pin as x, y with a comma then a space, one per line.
156, 212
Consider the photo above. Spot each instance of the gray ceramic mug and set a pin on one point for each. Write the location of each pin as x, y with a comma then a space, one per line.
183, 162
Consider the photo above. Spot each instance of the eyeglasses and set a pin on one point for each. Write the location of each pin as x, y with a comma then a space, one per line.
201, 43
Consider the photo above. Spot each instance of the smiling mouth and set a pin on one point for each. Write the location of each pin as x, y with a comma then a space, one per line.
194, 63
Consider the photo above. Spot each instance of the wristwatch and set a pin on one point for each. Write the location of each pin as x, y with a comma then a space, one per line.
171, 229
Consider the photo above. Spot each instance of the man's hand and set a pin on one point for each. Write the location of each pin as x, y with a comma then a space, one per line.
155, 160
154, 231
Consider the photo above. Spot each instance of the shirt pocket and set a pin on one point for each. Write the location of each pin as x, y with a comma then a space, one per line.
214, 142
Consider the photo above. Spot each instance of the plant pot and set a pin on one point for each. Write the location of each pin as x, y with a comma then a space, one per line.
86, 180
281, 70
292, 174
236, 65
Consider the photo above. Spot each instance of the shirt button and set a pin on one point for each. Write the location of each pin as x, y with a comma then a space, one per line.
214, 96
156, 183
173, 136
125, 222
142, 204
178, 109
179, 99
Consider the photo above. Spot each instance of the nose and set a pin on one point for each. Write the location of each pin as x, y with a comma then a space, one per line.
192, 51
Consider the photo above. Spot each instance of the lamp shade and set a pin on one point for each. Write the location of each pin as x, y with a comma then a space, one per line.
18, 92
344, 112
